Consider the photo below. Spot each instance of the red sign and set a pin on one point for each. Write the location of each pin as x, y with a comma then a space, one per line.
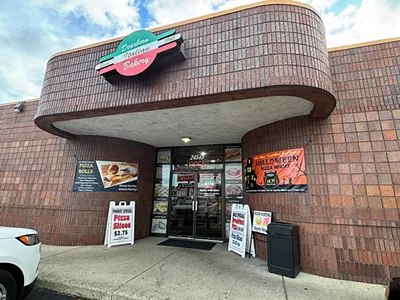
197, 164
185, 178
238, 221
139, 63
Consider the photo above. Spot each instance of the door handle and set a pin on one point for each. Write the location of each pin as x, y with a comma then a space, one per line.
192, 205
196, 205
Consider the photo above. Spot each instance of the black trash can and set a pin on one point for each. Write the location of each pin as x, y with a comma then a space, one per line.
283, 249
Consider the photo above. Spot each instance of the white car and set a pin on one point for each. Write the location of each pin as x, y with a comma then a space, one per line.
19, 262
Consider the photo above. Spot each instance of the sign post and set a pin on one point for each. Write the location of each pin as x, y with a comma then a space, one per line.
120, 228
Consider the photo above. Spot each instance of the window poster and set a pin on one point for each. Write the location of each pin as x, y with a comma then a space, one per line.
233, 183
159, 225
164, 156
233, 153
161, 192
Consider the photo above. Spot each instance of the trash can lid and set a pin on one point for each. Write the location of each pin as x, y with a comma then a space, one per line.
283, 228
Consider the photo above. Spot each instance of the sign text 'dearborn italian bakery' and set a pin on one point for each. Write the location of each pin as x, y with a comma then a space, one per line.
140, 50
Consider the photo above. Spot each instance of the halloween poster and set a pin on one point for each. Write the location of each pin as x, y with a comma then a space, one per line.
279, 171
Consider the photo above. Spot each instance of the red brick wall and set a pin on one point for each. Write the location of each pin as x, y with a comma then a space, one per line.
349, 219
265, 46
36, 178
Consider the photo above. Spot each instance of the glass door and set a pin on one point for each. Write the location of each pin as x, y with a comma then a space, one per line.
208, 206
182, 205
196, 205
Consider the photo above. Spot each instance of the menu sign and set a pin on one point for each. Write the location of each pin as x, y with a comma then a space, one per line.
106, 176
279, 171
120, 224
237, 239
240, 239
261, 219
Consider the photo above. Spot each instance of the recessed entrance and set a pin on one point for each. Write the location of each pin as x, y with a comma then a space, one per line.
194, 189
196, 205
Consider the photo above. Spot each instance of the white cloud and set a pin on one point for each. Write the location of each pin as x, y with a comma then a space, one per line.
374, 19
117, 14
31, 31
170, 11
320, 5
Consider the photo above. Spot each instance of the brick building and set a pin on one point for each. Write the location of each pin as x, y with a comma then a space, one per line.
256, 79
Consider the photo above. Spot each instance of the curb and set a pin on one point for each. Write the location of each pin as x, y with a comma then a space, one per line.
70, 289
86, 292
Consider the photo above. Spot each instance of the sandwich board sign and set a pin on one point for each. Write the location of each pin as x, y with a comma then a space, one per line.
240, 236
120, 228
261, 219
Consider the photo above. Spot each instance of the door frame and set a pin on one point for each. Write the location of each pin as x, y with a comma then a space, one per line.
195, 198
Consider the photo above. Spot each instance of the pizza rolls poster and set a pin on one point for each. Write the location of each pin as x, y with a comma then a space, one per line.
106, 176
279, 171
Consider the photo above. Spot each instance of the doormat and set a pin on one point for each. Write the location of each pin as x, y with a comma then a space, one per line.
188, 244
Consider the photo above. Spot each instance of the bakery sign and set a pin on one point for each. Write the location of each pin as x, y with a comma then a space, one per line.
140, 50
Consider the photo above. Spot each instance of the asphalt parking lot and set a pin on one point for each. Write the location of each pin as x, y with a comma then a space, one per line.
40, 294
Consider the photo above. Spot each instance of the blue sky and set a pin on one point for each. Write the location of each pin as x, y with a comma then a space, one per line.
32, 30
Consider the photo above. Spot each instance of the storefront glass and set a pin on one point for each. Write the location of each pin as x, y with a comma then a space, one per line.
194, 189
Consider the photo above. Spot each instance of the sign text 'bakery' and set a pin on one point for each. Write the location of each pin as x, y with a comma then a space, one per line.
139, 51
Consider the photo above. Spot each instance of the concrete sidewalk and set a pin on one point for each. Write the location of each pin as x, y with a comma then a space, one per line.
147, 271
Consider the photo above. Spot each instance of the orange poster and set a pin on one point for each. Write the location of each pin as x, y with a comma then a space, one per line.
279, 171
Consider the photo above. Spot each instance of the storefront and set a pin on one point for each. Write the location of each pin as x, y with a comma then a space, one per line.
199, 184
242, 106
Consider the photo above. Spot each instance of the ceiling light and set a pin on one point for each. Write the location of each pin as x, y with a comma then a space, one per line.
185, 139
213, 160
203, 153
